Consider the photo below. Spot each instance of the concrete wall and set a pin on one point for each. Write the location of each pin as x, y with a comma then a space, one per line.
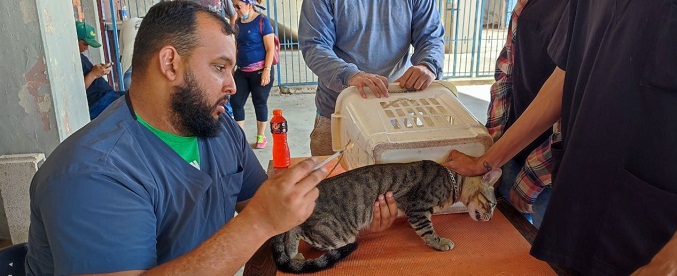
16, 172
42, 95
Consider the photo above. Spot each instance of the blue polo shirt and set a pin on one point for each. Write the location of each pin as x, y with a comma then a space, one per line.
115, 197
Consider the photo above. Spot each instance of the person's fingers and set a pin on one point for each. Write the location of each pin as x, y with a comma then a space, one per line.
382, 83
311, 196
411, 82
427, 83
376, 220
357, 81
297, 172
392, 206
420, 83
384, 210
404, 78
309, 182
373, 87
361, 90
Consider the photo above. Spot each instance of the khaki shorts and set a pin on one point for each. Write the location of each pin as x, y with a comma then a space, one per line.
320, 137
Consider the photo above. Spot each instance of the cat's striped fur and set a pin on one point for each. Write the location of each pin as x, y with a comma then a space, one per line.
345, 206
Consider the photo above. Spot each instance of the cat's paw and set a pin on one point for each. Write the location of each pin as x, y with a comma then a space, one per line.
443, 245
299, 257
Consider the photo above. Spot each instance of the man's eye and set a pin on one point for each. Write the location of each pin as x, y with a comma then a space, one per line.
219, 67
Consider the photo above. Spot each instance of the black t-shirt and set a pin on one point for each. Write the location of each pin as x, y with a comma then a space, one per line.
99, 86
613, 204
532, 66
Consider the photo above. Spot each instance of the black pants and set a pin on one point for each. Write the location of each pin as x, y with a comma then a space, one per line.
246, 83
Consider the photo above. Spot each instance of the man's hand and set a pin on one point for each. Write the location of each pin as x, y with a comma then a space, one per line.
101, 70
288, 198
464, 164
417, 77
377, 84
385, 212
519, 203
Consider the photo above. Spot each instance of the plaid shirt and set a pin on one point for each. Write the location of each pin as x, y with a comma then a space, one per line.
535, 174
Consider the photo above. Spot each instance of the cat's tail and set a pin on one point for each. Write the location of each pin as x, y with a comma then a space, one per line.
289, 264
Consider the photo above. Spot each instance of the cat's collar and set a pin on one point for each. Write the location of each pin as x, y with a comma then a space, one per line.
454, 184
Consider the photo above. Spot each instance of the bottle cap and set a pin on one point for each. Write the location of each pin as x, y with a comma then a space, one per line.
277, 112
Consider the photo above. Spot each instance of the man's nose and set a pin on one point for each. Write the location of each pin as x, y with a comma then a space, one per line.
229, 85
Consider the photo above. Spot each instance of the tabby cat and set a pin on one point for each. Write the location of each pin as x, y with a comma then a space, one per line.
345, 206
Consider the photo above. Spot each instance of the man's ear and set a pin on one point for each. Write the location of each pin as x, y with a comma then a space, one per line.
169, 62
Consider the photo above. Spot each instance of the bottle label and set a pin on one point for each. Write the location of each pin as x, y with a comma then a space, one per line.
278, 128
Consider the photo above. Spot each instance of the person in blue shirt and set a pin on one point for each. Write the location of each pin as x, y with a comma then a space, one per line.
99, 93
152, 185
254, 74
366, 44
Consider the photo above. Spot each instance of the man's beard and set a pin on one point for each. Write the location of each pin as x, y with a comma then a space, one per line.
192, 111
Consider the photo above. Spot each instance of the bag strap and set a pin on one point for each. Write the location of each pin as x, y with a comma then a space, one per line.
261, 24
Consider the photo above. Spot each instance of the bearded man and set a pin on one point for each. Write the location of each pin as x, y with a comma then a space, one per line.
152, 185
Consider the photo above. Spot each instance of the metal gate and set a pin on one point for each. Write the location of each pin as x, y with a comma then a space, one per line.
475, 32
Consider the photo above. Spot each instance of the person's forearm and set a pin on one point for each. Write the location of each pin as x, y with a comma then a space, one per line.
428, 38
224, 252
270, 53
316, 40
89, 79
541, 114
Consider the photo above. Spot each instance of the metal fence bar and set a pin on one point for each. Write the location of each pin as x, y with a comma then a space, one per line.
116, 43
479, 16
456, 20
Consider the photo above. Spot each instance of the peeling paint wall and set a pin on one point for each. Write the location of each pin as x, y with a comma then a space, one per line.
42, 94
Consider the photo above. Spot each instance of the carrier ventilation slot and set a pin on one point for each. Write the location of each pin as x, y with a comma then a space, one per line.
406, 113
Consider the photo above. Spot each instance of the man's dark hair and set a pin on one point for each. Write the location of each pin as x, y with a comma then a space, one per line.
170, 23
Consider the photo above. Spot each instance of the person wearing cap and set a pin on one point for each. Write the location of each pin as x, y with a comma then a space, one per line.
99, 93
254, 74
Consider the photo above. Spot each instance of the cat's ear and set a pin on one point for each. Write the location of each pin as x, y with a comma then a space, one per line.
491, 177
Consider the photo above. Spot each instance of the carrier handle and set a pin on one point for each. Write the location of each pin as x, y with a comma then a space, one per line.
336, 143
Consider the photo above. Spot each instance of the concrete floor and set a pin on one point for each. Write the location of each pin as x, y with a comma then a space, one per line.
299, 110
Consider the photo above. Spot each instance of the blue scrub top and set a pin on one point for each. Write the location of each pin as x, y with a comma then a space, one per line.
114, 197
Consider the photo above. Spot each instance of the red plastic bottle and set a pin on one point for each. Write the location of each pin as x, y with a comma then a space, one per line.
278, 126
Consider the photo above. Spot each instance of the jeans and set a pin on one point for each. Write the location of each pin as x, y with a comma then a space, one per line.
510, 171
